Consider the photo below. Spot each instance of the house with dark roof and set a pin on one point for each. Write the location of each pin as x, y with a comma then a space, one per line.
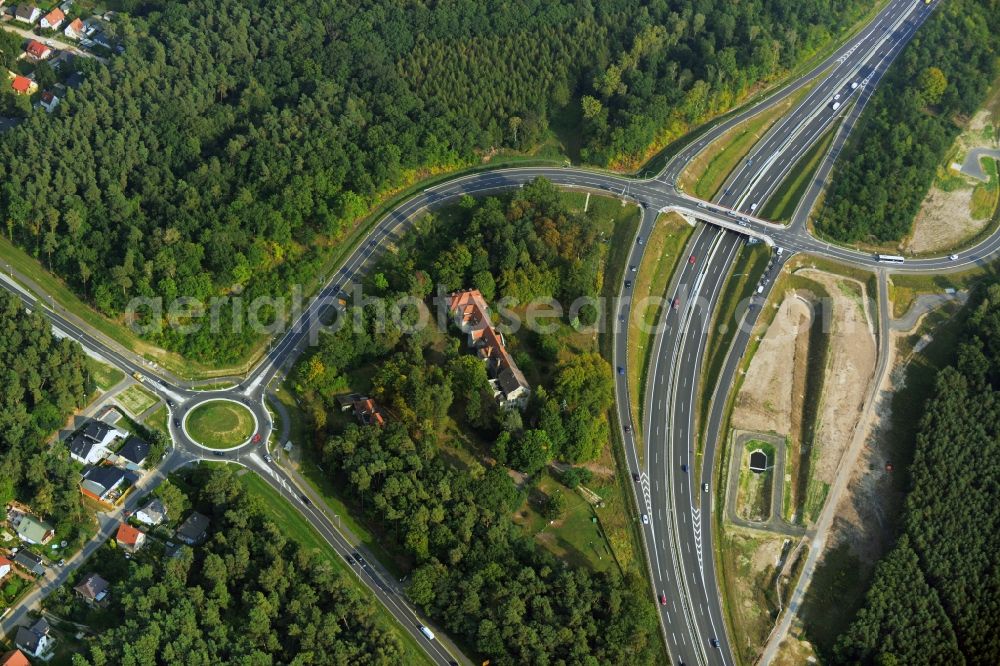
194, 528
36, 50
471, 315
14, 658
105, 483
75, 80
26, 13
130, 538
133, 454
153, 513
34, 531
35, 640
92, 589
53, 19
29, 562
90, 443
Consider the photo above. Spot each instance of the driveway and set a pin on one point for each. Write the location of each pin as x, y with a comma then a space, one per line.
973, 167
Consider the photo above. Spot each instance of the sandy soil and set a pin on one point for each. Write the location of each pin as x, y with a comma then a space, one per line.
850, 364
767, 554
766, 398
943, 221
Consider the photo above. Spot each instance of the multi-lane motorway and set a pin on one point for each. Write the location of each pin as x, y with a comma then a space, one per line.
670, 495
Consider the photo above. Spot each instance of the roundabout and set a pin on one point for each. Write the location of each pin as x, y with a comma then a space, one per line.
220, 424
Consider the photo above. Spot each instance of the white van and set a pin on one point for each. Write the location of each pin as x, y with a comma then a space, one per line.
427, 632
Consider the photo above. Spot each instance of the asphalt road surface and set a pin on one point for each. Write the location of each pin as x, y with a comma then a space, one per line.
678, 536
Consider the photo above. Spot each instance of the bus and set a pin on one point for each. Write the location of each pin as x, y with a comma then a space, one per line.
889, 258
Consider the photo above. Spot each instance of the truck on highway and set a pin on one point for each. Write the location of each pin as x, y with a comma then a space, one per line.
137, 376
427, 632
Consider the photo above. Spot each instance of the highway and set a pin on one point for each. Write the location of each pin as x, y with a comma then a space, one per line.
683, 510
678, 536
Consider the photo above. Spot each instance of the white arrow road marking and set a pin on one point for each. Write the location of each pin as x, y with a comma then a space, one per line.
696, 524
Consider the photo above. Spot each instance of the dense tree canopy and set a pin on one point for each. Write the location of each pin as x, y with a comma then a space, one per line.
249, 595
936, 597
43, 379
233, 141
475, 569
911, 121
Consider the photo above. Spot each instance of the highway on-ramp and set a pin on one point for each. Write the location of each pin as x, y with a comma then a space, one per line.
678, 534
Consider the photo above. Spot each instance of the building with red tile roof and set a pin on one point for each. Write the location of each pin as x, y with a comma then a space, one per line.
21, 85
75, 29
130, 538
37, 50
472, 316
14, 658
53, 19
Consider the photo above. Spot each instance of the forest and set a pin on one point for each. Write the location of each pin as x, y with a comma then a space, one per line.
248, 595
910, 124
43, 380
935, 598
473, 569
234, 142
519, 247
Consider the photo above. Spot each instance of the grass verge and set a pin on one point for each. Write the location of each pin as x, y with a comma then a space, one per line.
575, 536
158, 420
104, 375
296, 528
904, 288
653, 276
136, 400
781, 204
705, 174
985, 195
220, 424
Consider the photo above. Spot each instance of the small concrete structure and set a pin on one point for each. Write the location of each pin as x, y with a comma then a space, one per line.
758, 461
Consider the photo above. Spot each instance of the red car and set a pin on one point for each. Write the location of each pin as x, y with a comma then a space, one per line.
691, 260
677, 302
256, 438
663, 599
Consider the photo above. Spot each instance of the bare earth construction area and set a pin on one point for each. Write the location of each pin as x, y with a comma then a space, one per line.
806, 384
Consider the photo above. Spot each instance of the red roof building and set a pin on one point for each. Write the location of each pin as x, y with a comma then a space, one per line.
6, 566
37, 50
130, 538
471, 315
368, 412
75, 29
21, 85
14, 658
53, 19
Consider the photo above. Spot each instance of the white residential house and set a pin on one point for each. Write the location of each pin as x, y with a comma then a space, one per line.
53, 19
27, 14
35, 640
49, 101
153, 513
89, 444
75, 29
